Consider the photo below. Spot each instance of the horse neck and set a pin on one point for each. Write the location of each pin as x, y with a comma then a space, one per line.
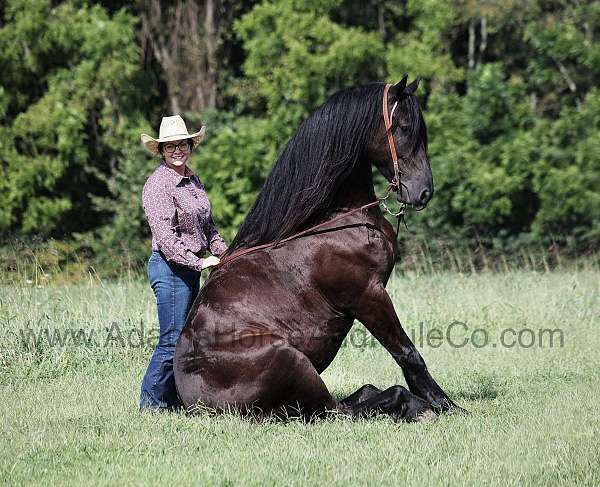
357, 190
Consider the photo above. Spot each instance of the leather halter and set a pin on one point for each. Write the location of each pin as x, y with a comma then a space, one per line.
395, 184
387, 119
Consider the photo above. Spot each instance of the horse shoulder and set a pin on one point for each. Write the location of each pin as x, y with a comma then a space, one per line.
349, 261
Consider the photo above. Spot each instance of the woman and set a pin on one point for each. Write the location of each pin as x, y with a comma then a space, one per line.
179, 215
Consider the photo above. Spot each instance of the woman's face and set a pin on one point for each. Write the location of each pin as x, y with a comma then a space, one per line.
177, 152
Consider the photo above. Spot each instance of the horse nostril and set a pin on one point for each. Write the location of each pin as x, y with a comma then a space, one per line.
425, 195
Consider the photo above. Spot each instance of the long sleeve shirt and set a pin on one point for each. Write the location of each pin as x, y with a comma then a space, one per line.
180, 217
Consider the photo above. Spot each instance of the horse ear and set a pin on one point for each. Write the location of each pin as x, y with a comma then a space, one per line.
411, 88
397, 90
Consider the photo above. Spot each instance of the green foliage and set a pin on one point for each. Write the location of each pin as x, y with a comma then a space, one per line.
233, 163
567, 176
510, 158
66, 89
126, 238
509, 94
297, 55
423, 50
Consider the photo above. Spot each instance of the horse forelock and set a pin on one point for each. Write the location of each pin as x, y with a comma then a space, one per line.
417, 136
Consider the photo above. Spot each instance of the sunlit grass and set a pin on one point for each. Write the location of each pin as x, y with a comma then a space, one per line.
69, 413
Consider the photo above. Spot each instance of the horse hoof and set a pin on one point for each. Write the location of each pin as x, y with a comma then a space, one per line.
427, 415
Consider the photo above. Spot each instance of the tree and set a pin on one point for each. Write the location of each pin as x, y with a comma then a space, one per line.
187, 39
509, 94
68, 88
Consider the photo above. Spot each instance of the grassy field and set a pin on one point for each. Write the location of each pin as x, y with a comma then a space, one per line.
69, 411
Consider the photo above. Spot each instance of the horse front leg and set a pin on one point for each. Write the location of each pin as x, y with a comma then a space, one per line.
376, 312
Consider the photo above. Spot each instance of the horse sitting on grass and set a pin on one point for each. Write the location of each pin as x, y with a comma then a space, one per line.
313, 254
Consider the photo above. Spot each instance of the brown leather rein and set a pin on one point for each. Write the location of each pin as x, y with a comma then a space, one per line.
395, 184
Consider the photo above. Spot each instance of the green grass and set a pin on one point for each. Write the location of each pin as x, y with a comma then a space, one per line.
69, 413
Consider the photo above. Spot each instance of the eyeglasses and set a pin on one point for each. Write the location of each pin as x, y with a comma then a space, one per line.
183, 146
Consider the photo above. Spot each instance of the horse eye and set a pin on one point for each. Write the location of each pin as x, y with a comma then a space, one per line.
405, 129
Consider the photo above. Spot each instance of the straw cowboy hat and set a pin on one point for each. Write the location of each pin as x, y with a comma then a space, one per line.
172, 128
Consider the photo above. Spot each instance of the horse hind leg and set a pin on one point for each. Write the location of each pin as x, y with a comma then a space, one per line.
396, 401
257, 377
278, 380
299, 389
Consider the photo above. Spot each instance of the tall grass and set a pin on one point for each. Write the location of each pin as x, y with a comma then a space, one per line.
69, 411
61, 262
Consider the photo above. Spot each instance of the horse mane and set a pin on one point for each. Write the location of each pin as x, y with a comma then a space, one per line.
317, 160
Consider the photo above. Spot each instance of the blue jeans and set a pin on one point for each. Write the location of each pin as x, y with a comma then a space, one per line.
175, 288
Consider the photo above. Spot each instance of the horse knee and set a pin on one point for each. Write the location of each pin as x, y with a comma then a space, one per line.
412, 359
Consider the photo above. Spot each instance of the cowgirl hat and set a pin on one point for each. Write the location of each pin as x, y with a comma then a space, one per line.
172, 128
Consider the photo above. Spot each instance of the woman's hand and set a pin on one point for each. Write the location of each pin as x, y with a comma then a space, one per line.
210, 261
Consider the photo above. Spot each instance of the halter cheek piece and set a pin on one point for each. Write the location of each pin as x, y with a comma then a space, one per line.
396, 184
387, 118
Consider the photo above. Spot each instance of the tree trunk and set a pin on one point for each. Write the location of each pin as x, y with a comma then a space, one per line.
471, 52
484, 36
184, 38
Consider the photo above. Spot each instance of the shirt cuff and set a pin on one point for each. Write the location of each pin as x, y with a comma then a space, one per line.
218, 247
195, 261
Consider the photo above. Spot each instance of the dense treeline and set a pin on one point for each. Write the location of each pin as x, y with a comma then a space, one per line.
509, 91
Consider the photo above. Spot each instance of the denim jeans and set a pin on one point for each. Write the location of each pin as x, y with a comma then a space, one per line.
175, 288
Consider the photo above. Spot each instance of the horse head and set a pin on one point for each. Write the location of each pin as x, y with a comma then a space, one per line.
409, 139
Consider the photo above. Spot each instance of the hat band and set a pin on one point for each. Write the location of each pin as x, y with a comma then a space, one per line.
175, 135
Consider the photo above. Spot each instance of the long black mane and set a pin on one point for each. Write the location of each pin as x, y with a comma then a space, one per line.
316, 161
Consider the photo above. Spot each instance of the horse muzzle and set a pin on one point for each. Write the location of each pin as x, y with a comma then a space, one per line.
415, 195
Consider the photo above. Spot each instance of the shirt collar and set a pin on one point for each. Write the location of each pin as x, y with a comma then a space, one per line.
174, 175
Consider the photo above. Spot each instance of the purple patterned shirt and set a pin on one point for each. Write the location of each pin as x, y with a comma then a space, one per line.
180, 218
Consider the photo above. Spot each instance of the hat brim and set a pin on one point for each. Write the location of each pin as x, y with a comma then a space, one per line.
152, 144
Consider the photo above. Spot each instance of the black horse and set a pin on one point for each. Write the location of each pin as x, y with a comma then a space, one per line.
266, 323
